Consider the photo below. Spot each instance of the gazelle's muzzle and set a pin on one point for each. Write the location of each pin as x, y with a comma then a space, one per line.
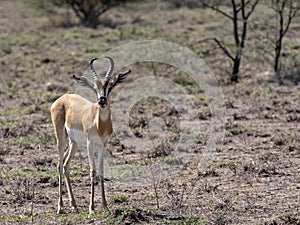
102, 101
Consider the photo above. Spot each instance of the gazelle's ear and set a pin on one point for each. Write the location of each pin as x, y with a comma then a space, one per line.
83, 81
118, 80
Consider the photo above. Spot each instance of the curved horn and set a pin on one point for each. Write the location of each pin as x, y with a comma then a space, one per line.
111, 68
92, 70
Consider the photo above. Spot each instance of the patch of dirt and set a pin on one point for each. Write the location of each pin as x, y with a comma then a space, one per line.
253, 179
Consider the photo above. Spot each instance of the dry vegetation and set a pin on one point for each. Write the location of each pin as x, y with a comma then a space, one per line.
255, 177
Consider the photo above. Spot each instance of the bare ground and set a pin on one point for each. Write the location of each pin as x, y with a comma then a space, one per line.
254, 178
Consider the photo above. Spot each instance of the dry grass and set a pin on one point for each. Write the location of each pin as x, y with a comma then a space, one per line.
254, 178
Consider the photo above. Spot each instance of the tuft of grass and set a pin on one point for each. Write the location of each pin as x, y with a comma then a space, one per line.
12, 219
131, 213
79, 172
192, 220
47, 139
5, 47
24, 142
118, 198
14, 175
287, 218
175, 129
32, 109
11, 112
236, 130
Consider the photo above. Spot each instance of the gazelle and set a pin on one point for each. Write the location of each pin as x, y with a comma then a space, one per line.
78, 121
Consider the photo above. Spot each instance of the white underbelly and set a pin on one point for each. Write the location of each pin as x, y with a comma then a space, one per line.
80, 138
76, 135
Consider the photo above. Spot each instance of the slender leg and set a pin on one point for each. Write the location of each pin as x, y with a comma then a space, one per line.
92, 175
68, 157
60, 201
101, 176
92, 204
61, 143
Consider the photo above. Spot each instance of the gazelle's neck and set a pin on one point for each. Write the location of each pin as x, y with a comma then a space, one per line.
104, 114
104, 125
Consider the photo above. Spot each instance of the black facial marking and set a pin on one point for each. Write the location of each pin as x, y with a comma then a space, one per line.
102, 101
106, 82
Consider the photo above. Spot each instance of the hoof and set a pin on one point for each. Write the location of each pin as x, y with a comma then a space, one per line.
91, 213
60, 211
74, 209
105, 208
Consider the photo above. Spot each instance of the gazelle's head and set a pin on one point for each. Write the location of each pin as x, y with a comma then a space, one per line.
102, 88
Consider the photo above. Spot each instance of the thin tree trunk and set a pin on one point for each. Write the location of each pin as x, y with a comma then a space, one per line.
277, 57
236, 68
239, 38
91, 19
284, 22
